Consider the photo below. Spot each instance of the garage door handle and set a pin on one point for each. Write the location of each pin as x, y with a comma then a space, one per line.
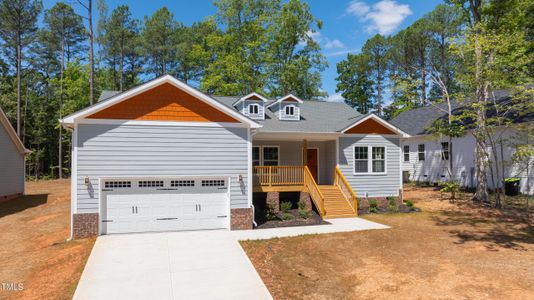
133, 210
222, 216
107, 221
136, 211
165, 219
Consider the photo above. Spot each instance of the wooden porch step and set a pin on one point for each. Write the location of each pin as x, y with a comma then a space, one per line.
335, 204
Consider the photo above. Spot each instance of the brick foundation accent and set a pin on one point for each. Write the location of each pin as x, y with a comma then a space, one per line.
305, 197
273, 201
9, 197
241, 218
84, 225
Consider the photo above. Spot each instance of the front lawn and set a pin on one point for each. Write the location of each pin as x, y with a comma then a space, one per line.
34, 251
448, 251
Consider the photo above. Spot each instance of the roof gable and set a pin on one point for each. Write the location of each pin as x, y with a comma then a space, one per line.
4, 122
372, 124
163, 103
165, 111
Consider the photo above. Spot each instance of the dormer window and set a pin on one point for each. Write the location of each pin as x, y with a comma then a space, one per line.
290, 110
252, 105
253, 109
287, 108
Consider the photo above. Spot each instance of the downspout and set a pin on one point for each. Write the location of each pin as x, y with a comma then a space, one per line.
255, 225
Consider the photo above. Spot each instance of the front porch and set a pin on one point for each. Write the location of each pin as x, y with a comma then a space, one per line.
306, 167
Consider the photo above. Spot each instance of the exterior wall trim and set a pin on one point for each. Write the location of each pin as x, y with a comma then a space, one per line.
159, 123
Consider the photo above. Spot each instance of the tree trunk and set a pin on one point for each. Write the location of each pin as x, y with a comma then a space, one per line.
19, 58
121, 74
91, 52
60, 142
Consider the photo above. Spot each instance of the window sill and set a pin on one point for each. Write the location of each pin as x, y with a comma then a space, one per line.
369, 174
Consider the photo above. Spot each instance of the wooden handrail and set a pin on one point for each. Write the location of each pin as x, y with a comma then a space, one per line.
315, 193
278, 175
344, 186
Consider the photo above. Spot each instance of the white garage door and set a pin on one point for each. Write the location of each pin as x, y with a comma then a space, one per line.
164, 204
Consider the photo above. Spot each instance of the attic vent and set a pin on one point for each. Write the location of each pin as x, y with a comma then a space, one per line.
213, 183
117, 184
177, 183
151, 183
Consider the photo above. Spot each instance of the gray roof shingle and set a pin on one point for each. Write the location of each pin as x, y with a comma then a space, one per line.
417, 121
315, 116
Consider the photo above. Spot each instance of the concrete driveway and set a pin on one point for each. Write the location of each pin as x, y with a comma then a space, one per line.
174, 265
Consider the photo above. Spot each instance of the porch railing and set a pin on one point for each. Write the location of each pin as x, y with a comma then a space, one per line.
315, 193
344, 186
278, 175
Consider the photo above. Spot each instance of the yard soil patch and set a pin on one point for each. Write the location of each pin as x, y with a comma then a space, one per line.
447, 251
34, 250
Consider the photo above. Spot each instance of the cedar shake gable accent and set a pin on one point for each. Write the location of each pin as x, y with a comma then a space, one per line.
370, 126
164, 103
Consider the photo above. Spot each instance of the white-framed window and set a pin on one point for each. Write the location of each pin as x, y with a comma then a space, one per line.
379, 159
270, 155
370, 160
406, 152
290, 110
361, 159
265, 155
254, 109
445, 151
256, 159
421, 152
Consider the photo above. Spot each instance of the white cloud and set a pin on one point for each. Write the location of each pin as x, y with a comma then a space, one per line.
384, 17
334, 44
358, 8
335, 98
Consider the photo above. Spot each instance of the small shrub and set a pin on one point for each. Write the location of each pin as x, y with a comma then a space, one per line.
410, 205
392, 202
270, 213
286, 216
450, 187
285, 206
303, 211
373, 206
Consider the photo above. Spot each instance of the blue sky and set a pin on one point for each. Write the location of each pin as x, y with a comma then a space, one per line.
346, 24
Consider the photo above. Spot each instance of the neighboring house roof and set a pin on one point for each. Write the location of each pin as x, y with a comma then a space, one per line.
70, 119
12, 133
417, 121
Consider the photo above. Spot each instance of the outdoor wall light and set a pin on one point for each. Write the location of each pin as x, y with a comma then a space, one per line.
86, 180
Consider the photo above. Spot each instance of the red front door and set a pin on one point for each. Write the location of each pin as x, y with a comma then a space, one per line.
312, 162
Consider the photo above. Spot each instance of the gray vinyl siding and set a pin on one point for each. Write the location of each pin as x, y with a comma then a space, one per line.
372, 185
148, 150
11, 166
291, 155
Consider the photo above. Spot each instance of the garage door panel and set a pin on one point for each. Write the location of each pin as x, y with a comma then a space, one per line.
188, 208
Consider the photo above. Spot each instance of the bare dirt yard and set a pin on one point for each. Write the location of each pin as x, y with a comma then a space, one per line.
34, 250
447, 251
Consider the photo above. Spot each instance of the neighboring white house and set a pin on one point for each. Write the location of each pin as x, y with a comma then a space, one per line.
12, 153
425, 157
165, 156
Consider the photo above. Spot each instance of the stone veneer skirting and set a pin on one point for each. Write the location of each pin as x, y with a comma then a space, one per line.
241, 218
84, 225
